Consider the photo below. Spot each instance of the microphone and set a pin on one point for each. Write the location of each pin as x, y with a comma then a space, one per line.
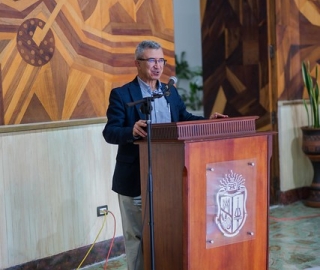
166, 91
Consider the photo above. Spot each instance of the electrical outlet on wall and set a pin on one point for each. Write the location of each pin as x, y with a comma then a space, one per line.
102, 210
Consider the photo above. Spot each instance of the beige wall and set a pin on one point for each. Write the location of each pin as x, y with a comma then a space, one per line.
51, 182
295, 168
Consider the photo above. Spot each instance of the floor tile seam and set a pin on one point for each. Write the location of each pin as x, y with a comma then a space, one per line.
282, 252
294, 218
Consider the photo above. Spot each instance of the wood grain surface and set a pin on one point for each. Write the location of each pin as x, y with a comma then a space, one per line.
61, 58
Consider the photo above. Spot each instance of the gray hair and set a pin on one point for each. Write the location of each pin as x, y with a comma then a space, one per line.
144, 45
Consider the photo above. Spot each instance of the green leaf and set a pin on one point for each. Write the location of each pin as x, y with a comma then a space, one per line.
312, 87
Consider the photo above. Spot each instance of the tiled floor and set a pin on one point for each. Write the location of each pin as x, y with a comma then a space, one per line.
294, 240
294, 237
118, 263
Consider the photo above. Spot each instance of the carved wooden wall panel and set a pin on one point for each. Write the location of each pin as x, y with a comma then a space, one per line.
59, 59
298, 39
235, 58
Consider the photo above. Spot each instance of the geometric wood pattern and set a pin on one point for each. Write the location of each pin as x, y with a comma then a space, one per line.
235, 58
237, 67
298, 40
60, 59
235, 40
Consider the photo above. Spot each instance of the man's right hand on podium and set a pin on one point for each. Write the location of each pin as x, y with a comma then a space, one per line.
139, 129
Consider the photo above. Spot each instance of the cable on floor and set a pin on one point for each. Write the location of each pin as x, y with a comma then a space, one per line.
113, 237
95, 240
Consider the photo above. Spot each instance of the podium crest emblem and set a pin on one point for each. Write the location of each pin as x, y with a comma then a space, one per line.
231, 201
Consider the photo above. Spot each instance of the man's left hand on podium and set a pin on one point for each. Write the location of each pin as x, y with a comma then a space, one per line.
218, 115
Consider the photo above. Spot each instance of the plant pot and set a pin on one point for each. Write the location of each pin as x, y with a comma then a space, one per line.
311, 148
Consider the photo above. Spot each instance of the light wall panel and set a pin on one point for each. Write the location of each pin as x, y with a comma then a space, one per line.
51, 182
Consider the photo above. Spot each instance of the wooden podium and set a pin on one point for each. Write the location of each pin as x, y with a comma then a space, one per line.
210, 195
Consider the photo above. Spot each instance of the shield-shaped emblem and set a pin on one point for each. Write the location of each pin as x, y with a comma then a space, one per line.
231, 202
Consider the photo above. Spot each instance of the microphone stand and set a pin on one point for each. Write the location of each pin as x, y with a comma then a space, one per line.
146, 108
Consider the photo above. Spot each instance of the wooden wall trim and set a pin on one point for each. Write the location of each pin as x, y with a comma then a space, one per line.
50, 125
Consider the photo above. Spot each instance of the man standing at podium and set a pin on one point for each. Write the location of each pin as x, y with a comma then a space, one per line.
126, 124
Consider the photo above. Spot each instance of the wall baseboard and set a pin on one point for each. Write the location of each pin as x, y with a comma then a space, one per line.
71, 259
293, 195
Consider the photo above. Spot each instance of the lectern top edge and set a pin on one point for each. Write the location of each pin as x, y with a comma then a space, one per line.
204, 128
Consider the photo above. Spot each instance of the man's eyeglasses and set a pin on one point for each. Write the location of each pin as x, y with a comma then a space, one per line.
153, 61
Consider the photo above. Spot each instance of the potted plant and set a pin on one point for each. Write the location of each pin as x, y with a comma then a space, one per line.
311, 133
192, 77
312, 86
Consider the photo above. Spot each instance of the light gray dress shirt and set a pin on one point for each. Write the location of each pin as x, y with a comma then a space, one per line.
160, 112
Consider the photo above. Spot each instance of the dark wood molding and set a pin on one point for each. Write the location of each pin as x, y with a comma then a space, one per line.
293, 195
71, 259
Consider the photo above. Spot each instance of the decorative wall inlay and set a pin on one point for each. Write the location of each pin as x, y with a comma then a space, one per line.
32, 53
235, 58
297, 40
60, 58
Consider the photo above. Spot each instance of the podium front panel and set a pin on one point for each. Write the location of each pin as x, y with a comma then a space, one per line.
179, 170
250, 254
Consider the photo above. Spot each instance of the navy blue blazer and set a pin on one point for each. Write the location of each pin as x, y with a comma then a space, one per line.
118, 130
